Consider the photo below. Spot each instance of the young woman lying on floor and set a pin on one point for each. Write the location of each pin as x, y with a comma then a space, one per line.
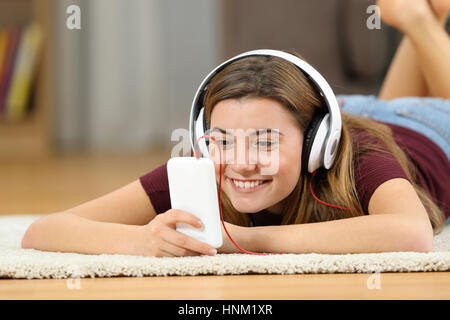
387, 189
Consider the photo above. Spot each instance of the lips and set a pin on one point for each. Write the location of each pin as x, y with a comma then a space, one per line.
247, 185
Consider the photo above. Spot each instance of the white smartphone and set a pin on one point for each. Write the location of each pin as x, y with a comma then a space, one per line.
192, 188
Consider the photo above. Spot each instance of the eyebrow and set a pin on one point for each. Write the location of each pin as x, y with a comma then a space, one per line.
257, 132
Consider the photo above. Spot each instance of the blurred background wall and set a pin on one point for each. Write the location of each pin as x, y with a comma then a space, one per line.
125, 80
127, 76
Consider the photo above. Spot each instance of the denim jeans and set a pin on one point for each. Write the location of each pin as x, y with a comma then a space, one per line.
428, 116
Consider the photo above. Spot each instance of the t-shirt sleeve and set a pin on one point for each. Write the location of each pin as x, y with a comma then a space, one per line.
372, 169
156, 186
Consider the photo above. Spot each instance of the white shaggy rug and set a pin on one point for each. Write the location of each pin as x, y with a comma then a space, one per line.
16, 262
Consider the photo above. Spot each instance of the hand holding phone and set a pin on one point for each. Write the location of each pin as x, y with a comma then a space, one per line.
160, 238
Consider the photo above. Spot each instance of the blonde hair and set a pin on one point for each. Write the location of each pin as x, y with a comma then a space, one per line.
275, 78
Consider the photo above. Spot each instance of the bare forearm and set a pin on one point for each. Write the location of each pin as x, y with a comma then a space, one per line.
365, 234
66, 232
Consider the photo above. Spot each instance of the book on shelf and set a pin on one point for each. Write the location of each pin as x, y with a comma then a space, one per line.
20, 47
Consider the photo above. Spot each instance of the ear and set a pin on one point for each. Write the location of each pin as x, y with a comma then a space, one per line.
313, 142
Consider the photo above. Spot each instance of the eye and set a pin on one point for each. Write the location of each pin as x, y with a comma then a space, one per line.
264, 143
224, 143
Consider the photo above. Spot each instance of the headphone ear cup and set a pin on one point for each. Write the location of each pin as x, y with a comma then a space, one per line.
199, 132
310, 140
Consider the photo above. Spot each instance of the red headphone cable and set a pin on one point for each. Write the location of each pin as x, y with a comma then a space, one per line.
322, 202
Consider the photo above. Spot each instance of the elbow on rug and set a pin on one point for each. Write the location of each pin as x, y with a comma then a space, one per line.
423, 246
419, 240
28, 237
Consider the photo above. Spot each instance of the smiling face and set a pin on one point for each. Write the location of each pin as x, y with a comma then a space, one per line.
257, 135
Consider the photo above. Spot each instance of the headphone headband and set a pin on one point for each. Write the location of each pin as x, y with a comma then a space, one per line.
334, 119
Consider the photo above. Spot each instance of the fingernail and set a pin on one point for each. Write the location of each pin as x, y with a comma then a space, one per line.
212, 252
199, 224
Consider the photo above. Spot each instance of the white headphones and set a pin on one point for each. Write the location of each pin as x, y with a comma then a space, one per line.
323, 133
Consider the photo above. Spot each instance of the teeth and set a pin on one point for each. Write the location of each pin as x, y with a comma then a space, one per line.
245, 185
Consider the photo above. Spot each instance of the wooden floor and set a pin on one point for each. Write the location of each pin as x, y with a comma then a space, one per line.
255, 287
54, 184
46, 185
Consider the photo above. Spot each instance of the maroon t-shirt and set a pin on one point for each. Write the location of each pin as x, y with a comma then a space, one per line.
371, 170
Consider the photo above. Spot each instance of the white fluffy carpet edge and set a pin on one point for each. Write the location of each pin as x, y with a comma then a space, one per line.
16, 262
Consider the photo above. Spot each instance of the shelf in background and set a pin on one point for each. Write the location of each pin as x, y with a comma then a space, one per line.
31, 136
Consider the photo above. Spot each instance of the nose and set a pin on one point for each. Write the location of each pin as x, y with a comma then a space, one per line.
243, 168
244, 160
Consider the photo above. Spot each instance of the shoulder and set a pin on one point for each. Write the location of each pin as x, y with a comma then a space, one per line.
396, 196
156, 179
372, 169
156, 186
